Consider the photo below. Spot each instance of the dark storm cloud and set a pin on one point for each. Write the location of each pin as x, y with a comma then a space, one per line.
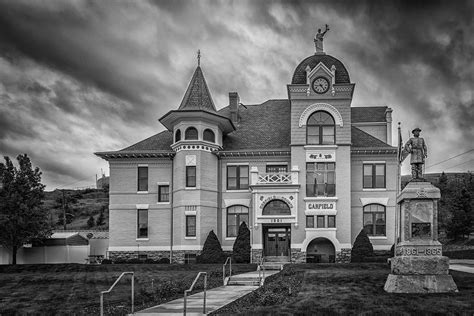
75, 40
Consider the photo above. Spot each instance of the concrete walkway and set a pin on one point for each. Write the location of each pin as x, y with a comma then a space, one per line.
463, 265
215, 299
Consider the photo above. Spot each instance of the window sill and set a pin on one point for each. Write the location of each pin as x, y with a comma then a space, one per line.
320, 198
190, 188
142, 239
162, 203
374, 190
378, 237
142, 192
190, 238
230, 238
321, 229
243, 190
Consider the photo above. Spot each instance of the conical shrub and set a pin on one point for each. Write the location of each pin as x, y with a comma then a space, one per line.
212, 250
241, 248
362, 247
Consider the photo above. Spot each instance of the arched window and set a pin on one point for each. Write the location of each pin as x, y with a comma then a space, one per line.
191, 133
374, 219
236, 214
320, 129
177, 136
276, 207
209, 136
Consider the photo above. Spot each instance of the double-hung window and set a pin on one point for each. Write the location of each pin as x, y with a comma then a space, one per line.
142, 223
374, 220
320, 179
191, 226
235, 216
237, 177
190, 176
163, 193
374, 176
142, 179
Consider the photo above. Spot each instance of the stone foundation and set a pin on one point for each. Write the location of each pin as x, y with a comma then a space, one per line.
405, 265
178, 255
439, 283
344, 256
131, 255
298, 256
256, 255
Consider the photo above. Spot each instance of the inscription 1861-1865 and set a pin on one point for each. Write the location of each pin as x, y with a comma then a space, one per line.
421, 230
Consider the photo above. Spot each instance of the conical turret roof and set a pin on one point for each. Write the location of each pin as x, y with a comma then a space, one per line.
197, 96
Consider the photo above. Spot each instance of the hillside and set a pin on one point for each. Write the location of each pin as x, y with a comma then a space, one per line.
81, 204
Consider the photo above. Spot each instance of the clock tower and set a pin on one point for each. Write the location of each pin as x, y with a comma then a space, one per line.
320, 95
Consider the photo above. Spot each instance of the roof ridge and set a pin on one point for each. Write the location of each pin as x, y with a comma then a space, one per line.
197, 95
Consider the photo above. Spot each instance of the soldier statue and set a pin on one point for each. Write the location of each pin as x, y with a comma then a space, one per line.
416, 146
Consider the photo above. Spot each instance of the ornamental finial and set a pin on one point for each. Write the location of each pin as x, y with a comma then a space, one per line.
199, 57
318, 40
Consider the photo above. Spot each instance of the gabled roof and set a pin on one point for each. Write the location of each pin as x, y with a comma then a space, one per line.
363, 139
197, 96
263, 126
368, 114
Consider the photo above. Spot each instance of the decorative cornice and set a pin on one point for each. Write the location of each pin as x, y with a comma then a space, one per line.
374, 151
320, 107
253, 153
135, 154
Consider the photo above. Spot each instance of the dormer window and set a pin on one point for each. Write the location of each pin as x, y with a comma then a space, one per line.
191, 134
209, 136
320, 129
177, 136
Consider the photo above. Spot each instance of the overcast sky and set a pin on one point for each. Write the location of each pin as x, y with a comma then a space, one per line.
78, 77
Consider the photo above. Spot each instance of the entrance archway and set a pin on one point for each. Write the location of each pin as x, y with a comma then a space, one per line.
320, 250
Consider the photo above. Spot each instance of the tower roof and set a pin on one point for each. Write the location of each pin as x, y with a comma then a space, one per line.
197, 96
299, 76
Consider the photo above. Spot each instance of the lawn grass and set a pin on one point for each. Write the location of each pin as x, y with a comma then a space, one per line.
73, 289
348, 289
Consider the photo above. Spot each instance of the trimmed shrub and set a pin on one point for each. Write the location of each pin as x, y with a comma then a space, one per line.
459, 254
362, 248
392, 251
106, 261
211, 251
241, 248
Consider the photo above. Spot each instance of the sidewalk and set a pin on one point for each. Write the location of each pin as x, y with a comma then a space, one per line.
215, 299
463, 265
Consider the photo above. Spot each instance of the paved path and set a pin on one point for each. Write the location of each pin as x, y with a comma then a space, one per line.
463, 265
215, 299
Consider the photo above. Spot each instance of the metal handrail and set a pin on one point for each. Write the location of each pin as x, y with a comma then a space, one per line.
113, 285
191, 288
261, 268
228, 260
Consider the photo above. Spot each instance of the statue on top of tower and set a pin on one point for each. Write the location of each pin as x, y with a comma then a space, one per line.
318, 39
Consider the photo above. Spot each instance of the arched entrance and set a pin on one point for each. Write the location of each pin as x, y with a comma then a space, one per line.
320, 250
277, 235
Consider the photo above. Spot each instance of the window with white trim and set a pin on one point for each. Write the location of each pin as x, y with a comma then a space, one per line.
374, 175
142, 223
236, 214
374, 220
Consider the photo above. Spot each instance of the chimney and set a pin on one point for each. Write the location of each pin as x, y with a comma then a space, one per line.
234, 101
388, 119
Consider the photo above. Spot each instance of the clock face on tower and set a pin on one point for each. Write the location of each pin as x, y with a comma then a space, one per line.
320, 85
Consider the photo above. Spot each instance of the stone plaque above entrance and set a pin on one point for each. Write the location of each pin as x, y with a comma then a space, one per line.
320, 155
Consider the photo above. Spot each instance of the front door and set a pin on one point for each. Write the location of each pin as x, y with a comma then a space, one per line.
277, 241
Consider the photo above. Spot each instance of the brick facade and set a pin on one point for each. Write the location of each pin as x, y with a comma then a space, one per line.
256, 137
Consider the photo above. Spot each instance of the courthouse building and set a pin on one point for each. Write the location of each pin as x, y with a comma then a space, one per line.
306, 173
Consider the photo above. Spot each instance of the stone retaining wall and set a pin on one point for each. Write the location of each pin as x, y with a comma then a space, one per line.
343, 256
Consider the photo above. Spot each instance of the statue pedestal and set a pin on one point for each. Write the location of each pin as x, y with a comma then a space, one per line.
418, 265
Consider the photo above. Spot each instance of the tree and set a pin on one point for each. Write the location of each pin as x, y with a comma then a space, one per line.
101, 218
362, 247
90, 222
241, 248
212, 250
22, 217
460, 224
64, 203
